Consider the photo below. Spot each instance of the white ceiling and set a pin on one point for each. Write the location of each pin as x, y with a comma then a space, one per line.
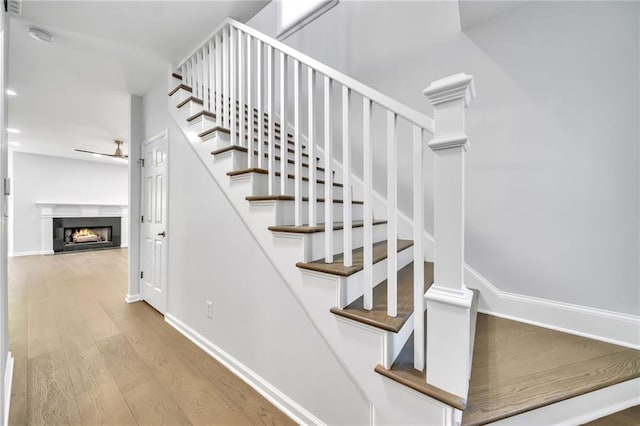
74, 92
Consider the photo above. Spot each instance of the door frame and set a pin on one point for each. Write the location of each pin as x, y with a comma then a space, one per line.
162, 134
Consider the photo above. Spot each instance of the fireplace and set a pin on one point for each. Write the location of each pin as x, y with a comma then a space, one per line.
85, 233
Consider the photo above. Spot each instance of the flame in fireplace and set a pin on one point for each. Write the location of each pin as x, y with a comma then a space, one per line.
83, 232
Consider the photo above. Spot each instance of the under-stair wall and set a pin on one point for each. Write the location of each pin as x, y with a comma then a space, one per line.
543, 197
257, 321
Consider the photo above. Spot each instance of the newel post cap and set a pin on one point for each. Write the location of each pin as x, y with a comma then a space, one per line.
457, 86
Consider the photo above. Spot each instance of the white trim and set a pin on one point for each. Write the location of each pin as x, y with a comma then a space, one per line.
312, 15
583, 408
30, 253
291, 408
131, 298
613, 327
8, 383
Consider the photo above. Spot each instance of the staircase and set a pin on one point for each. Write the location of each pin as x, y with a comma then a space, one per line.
276, 131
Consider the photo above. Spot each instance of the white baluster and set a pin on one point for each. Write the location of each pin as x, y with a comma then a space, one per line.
392, 215
328, 179
418, 250
311, 142
367, 175
250, 158
218, 72
271, 168
212, 94
241, 84
205, 79
198, 67
283, 121
233, 83
298, 145
194, 79
259, 101
226, 112
346, 179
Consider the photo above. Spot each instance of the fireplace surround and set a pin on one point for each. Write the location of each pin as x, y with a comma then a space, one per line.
85, 233
66, 210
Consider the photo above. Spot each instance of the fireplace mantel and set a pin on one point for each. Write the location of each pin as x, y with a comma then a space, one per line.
49, 210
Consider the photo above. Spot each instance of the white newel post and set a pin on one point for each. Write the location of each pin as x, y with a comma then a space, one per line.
449, 300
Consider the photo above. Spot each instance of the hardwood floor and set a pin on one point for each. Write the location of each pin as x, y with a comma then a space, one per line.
85, 357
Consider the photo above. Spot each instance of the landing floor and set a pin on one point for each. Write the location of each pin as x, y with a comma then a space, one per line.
83, 356
519, 367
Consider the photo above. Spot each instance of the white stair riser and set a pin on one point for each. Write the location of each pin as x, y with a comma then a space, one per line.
189, 109
354, 285
180, 96
260, 185
314, 246
239, 162
284, 212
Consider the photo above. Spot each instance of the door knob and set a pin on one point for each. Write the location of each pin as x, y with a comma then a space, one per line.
162, 234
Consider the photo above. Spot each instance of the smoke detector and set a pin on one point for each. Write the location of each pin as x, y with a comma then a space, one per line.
40, 35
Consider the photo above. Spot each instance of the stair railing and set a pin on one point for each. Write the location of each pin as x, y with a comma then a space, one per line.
238, 66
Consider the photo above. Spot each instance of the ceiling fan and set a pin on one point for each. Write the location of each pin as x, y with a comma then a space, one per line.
117, 154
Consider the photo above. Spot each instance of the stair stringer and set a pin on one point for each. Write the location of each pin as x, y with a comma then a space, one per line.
359, 349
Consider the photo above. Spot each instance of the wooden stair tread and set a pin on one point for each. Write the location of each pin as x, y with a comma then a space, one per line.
291, 198
306, 229
519, 367
255, 151
214, 129
178, 76
377, 316
189, 99
199, 114
402, 371
178, 87
338, 268
265, 171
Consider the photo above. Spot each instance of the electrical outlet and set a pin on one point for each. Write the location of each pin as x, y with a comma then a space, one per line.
209, 309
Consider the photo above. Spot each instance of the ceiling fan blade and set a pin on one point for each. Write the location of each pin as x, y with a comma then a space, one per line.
124, 157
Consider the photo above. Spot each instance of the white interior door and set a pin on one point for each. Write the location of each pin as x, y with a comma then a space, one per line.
153, 273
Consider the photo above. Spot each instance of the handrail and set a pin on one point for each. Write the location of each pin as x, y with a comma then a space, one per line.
383, 100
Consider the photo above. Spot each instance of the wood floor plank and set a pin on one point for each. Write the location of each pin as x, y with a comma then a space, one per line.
152, 405
198, 398
105, 405
127, 369
50, 393
18, 406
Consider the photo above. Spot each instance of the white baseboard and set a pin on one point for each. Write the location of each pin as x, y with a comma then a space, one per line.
131, 298
613, 327
8, 382
125, 245
28, 253
581, 409
288, 406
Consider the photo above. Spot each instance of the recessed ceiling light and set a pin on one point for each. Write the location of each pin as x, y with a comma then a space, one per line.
40, 35
11, 92
16, 131
14, 143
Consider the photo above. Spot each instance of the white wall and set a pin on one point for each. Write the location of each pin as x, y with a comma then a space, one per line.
40, 178
552, 173
257, 319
